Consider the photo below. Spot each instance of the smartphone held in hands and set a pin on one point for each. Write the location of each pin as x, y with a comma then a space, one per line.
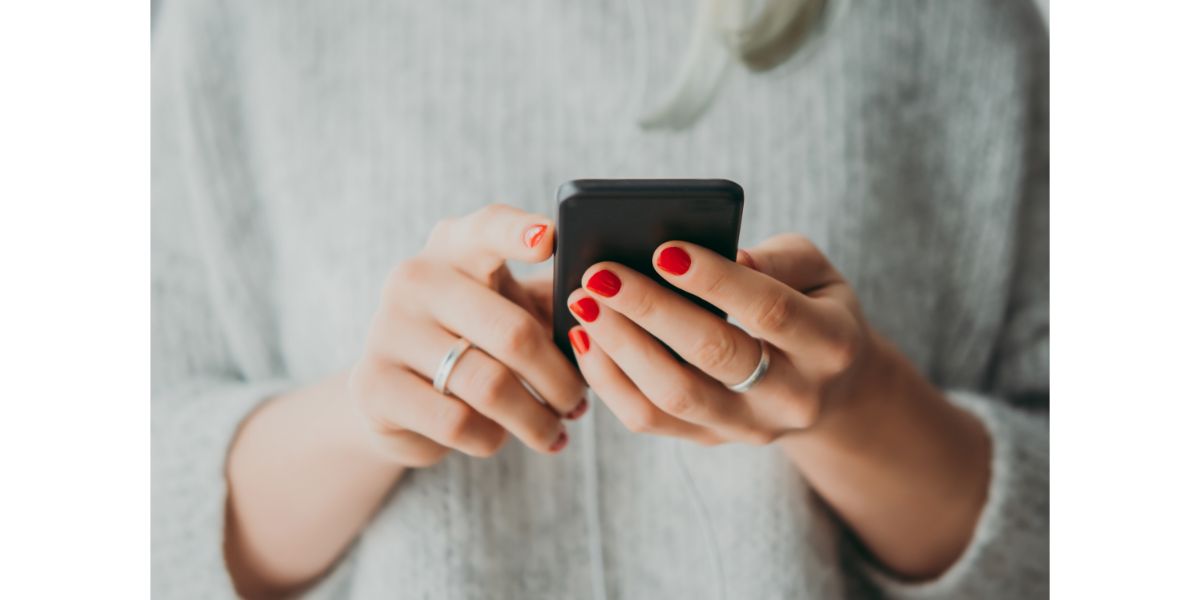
625, 220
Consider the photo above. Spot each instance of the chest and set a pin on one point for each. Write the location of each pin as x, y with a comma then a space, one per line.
374, 122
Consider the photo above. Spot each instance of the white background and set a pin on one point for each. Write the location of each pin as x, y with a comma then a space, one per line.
74, 301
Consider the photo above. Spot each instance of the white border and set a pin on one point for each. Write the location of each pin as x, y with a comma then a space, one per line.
1125, 261
74, 321
74, 304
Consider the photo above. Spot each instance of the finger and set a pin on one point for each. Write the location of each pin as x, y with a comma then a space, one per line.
705, 340
480, 242
765, 306
397, 400
679, 391
798, 263
628, 403
540, 291
528, 294
500, 328
477, 379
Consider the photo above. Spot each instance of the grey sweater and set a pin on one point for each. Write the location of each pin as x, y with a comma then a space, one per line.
301, 149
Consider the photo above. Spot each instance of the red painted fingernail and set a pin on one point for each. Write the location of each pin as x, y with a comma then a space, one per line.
579, 340
533, 235
586, 308
578, 410
559, 443
674, 260
605, 283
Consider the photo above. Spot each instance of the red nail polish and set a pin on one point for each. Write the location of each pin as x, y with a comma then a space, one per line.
578, 410
533, 235
674, 260
605, 283
579, 340
559, 443
586, 308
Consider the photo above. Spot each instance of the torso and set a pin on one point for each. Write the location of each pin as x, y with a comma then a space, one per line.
894, 141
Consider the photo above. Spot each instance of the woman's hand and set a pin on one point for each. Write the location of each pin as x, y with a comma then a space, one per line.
785, 294
307, 449
457, 287
905, 469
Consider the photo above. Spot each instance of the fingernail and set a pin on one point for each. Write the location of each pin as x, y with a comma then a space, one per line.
587, 309
605, 283
674, 260
579, 340
578, 410
533, 235
559, 443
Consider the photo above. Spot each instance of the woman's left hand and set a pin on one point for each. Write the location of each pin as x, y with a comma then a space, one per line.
783, 292
902, 466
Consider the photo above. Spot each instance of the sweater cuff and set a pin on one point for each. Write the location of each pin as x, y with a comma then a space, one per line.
192, 429
1008, 555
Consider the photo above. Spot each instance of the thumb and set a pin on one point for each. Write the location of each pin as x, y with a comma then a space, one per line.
792, 259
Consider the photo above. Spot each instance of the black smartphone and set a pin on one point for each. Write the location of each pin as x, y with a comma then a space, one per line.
625, 220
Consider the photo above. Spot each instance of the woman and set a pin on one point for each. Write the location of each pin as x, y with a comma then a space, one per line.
325, 230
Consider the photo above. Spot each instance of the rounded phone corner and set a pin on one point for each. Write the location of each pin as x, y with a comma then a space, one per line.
568, 190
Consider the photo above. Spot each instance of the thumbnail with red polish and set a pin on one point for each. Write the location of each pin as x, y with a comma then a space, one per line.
586, 308
674, 260
533, 235
605, 283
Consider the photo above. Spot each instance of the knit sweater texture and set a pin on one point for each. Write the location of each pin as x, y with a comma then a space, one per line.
302, 149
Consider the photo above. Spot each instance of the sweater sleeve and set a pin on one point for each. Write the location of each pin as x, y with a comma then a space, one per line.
1008, 555
213, 356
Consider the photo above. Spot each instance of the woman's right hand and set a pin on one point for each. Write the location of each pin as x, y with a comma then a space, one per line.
459, 286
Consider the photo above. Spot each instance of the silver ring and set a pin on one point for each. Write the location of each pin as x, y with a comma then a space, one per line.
447, 365
764, 361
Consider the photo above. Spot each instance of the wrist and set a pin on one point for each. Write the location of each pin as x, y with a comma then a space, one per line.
905, 468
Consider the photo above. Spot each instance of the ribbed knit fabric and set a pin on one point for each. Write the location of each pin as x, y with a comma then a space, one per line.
301, 149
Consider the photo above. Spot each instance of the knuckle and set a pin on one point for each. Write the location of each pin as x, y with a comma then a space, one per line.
518, 335
795, 243
426, 458
404, 275
493, 446
488, 384
842, 352
442, 230
491, 211
759, 437
641, 307
454, 420
644, 420
715, 351
800, 242
773, 312
679, 401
